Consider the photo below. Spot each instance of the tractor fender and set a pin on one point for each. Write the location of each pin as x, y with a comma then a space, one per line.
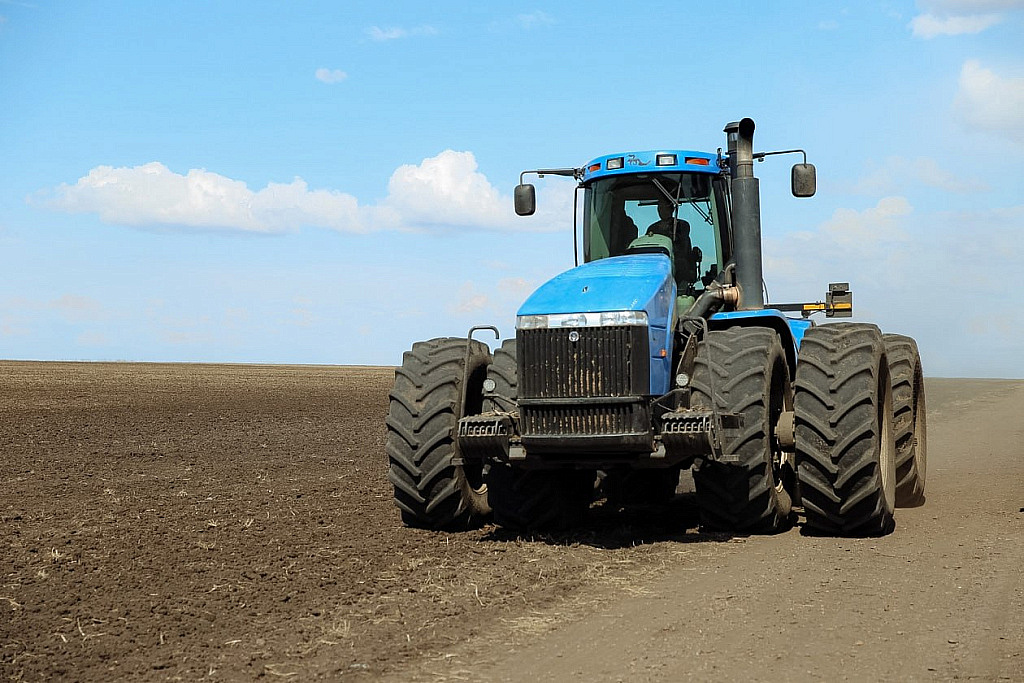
790, 330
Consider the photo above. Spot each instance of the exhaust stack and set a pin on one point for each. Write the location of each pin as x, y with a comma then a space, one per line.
746, 215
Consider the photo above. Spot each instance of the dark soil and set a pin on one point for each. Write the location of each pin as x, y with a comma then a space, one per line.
184, 522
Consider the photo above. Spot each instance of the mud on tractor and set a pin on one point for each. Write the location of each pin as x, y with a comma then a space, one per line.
659, 353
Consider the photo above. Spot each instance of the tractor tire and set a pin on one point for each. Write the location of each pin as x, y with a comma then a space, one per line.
845, 445
539, 500
504, 373
909, 419
743, 370
530, 499
640, 487
426, 403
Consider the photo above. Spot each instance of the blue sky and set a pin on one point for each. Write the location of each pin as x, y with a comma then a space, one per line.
323, 182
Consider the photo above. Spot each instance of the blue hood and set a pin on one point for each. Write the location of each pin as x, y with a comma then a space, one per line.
636, 282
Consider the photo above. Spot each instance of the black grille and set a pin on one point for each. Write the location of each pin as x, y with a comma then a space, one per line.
603, 361
568, 420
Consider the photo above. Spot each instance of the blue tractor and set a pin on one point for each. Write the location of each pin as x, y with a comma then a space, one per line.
660, 353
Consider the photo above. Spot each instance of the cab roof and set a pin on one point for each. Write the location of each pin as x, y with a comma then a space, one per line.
652, 161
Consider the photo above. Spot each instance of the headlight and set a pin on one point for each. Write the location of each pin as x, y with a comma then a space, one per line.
604, 319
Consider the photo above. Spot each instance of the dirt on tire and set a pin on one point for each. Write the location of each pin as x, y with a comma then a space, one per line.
223, 522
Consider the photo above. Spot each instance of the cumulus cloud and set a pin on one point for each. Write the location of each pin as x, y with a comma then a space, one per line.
959, 17
446, 189
442, 192
991, 102
395, 32
325, 75
930, 26
152, 194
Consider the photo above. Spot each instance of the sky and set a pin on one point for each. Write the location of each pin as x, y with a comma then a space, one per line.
329, 182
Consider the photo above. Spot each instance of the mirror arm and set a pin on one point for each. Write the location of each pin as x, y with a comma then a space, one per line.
761, 155
576, 173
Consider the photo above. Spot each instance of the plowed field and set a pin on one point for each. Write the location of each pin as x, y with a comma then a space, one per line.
194, 522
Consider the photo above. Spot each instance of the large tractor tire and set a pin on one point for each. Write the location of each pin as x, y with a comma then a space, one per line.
743, 370
845, 444
909, 419
426, 403
530, 499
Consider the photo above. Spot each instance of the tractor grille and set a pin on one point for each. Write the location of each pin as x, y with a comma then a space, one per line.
604, 361
591, 420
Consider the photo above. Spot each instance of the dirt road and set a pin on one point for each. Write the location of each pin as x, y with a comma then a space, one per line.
183, 522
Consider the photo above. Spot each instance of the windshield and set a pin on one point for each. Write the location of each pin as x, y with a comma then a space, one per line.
680, 206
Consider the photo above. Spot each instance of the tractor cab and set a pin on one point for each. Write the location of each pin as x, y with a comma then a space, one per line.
674, 202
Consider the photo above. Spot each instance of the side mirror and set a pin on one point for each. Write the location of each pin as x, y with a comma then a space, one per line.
526, 200
804, 180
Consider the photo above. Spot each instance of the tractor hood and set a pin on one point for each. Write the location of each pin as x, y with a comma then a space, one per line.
636, 282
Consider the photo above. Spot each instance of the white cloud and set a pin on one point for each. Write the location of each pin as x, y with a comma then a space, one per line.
75, 308
470, 300
867, 242
394, 32
442, 192
446, 189
991, 102
896, 174
926, 274
867, 230
959, 17
516, 287
534, 19
930, 26
330, 75
968, 6
152, 194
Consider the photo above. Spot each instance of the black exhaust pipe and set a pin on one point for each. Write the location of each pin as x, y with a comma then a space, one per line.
746, 215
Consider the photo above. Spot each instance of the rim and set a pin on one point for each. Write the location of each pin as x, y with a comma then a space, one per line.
920, 429
887, 446
473, 475
778, 398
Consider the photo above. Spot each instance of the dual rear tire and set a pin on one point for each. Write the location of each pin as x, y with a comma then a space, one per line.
909, 418
845, 434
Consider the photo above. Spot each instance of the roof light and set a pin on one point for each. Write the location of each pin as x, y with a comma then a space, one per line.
593, 168
698, 161
665, 160
614, 164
